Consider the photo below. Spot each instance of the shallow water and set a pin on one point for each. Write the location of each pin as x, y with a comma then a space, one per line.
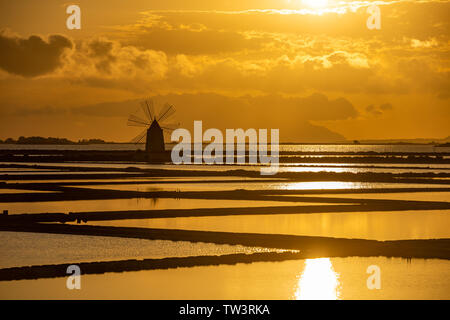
324, 278
390, 225
283, 167
333, 278
409, 196
255, 185
12, 191
25, 249
143, 179
358, 170
7, 170
133, 204
55, 181
26, 173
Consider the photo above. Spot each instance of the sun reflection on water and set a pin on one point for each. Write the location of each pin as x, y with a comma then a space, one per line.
310, 185
318, 281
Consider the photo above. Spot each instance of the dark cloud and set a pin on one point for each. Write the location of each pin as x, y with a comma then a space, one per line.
316, 107
194, 42
101, 51
319, 107
378, 111
371, 109
100, 48
33, 56
444, 95
292, 115
386, 106
14, 110
108, 109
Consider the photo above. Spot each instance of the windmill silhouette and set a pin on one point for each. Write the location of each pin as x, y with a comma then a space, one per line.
155, 124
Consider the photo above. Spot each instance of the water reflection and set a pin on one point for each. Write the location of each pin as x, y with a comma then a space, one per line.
415, 280
318, 281
256, 185
312, 185
376, 225
132, 204
22, 249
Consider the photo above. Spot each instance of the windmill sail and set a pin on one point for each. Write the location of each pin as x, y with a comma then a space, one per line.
155, 124
139, 137
170, 126
147, 107
136, 121
166, 112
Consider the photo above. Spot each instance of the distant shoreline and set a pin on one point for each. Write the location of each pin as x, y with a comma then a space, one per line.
281, 143
37, 140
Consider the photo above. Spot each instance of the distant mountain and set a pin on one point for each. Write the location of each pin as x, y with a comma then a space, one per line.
447, 144
418, 141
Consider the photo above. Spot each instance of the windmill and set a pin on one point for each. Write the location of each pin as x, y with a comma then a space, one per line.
155, 124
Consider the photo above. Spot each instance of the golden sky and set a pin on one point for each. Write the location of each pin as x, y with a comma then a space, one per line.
310, 68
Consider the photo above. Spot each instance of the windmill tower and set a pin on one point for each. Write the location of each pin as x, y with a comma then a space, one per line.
155, 125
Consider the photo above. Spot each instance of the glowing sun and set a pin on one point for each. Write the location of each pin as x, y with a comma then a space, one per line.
315, 3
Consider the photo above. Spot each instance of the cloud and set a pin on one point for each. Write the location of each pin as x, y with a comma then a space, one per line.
371, 109
386, 106
426, 74
292, 115
91, 60
378, 111
413, 19
187, 41
415, 43
252, 68
319, 107
33, 56
269, 51
314, 107
101, 59
293, 51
